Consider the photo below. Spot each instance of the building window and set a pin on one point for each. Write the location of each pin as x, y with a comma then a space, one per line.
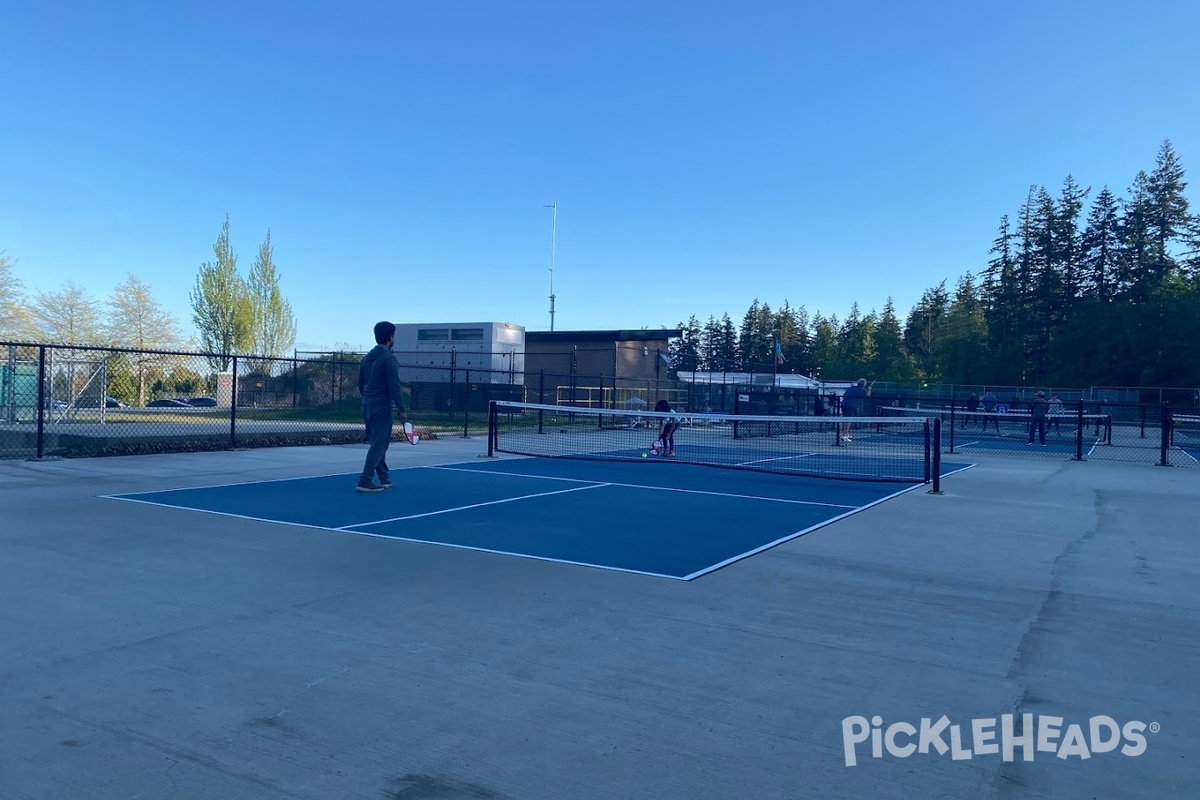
467, 334
433, 334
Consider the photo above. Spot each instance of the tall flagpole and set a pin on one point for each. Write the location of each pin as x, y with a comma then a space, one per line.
553, 247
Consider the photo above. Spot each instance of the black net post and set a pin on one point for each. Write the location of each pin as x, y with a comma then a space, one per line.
1165, 446
1142, 409
41, 415
1079, 431
541, 396
491, 447
233, 403
935, 448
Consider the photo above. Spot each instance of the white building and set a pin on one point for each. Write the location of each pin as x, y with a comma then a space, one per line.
782, 380
494, 352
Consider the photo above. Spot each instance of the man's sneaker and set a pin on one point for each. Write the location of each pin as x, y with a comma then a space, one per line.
367, 486
386, 483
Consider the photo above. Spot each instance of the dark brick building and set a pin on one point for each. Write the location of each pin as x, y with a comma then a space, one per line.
577, 364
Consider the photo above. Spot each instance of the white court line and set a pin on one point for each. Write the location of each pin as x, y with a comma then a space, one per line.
1185, 452
777, 458
217, 513
809, 529
123, 495
471, 506
956, 471
652, 488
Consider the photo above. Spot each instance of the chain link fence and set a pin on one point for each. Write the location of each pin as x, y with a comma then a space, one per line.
68, 401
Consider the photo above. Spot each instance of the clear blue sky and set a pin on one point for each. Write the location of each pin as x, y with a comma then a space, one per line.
702, 154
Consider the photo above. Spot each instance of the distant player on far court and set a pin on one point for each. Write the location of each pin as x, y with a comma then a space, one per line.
852, 404
666, 428
379, 385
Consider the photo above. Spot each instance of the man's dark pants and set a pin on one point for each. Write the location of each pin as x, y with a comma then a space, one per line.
1037, 425
379, 436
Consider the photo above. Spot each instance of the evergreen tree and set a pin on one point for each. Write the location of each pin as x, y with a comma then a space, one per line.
727, 351
792, 325
1040, 295
748, 336
684, 352
823, 347
962, 340
1101, 243
892, 361
710, 345
1134, 275
1002, 299
922, 327
1168, 221
764, 354
1069, 243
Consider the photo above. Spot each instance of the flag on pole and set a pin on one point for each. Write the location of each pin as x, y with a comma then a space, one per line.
778, 352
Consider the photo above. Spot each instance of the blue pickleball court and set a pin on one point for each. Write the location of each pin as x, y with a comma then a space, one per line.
668, 520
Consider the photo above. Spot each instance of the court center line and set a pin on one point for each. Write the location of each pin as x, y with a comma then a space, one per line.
823, 523
471, 506
654, 488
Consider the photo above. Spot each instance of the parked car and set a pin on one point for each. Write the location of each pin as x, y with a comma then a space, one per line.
94, 402
167, 403
203, 402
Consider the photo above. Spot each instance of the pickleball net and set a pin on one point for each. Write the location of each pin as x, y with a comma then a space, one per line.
960, 424
862, 449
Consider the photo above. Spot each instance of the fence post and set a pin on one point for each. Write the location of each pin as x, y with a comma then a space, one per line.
295, 379
1165, 448
1079, 432
541, 396
233, 407
953, 414
600, 417
41, 417
466, 404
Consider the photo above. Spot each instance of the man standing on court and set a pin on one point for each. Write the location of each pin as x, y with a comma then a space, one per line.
379, 385
1037, 418
852, 404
